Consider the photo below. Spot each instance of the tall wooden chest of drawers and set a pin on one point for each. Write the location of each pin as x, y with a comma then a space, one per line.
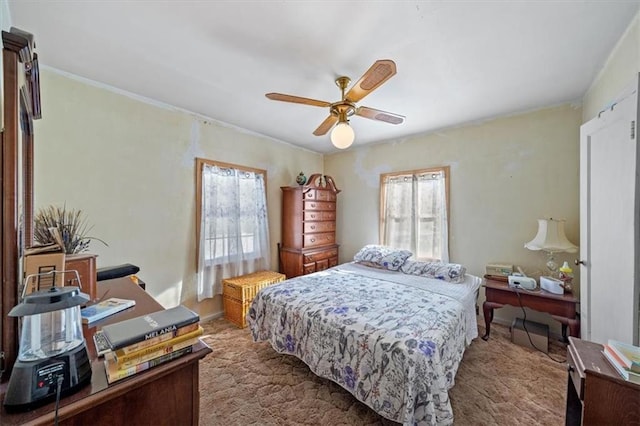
238, 293
309, 226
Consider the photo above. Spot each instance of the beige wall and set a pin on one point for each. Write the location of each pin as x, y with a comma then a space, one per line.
505, 174
129, 165
618, 73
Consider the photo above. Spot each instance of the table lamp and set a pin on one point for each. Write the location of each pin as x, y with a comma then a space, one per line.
551, 238
53, 357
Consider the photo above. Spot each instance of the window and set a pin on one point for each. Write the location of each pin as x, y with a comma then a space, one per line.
414, 212
232, 223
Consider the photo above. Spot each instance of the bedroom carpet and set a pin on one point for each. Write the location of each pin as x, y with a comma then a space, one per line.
498, 382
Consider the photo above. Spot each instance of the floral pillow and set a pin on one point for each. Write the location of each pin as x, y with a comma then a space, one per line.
451, 272
382, 256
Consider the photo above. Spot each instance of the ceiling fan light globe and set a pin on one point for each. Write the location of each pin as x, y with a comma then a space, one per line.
342, 136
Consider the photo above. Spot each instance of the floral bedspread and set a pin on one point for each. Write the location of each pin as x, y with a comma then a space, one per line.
395, 347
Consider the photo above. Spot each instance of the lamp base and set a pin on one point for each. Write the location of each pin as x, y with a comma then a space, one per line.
552, 266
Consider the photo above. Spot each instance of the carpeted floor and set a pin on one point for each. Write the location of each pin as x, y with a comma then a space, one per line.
498, 383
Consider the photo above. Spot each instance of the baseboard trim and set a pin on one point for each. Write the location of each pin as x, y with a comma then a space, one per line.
213, 316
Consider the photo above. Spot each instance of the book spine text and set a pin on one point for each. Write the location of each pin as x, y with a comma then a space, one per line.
115, 374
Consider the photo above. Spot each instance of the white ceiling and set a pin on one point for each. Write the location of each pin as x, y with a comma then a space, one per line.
457, 61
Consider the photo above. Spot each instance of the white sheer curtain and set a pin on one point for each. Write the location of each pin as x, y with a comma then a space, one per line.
414, 214
234, 231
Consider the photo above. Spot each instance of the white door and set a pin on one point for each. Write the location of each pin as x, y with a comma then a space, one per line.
609, 224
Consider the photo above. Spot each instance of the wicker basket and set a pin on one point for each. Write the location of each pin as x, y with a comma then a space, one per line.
238, 293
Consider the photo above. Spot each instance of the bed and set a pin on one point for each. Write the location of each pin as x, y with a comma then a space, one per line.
394, 340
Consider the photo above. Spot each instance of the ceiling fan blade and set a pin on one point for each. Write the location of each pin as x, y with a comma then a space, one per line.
296, 99
376, 114
381, 71
326, 125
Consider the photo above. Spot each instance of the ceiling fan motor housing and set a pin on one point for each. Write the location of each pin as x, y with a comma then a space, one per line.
343, 110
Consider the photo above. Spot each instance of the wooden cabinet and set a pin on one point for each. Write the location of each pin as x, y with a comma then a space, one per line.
37, 266
596, 393
309, 226
85, 264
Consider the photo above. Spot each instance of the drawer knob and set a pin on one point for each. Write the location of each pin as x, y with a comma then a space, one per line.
313, 240
313, 227
570, 368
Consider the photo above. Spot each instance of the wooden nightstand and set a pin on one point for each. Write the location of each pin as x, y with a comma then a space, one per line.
238, 293
562, 307
596, 393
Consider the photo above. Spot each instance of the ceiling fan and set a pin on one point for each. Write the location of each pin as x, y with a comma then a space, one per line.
342, 135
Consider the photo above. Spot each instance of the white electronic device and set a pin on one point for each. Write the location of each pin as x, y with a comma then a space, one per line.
520, 281
552, 285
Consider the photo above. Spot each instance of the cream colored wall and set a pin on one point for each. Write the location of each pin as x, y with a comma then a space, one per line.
618, 73
5, 16
129, 165
505, 174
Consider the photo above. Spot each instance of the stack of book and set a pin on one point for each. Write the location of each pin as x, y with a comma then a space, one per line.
137, 344
625, 358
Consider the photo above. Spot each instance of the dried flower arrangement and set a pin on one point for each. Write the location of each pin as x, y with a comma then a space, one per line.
68, 228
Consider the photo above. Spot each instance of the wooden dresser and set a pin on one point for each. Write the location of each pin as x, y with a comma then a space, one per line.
167, 394
309, 226
596, 393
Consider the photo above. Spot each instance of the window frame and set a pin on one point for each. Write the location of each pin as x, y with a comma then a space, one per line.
200, 163
383, 176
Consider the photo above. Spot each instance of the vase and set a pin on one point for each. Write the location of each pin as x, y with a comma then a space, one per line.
301, 179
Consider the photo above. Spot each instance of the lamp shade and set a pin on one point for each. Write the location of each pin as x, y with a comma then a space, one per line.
551, 237
342, 135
